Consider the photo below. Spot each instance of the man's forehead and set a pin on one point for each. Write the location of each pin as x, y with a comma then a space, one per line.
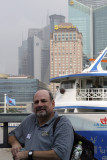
41, 93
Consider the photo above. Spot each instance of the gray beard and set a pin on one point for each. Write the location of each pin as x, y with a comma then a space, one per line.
40, 115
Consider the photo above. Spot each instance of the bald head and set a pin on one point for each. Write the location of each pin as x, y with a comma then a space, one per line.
46, 91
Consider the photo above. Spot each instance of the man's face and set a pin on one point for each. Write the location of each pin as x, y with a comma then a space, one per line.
43, 106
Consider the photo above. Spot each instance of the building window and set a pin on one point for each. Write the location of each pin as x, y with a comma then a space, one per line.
55, 37
62, 38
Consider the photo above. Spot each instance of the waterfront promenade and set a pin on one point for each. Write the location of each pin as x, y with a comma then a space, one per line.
5, 154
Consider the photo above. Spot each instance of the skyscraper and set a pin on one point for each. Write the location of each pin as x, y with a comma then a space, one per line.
65, 51
23, 59
90, 16
55, 20
38, 50
31, 33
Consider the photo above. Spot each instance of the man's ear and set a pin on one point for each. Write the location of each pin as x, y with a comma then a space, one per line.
53, 103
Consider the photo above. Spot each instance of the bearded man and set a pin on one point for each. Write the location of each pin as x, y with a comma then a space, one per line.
35, 133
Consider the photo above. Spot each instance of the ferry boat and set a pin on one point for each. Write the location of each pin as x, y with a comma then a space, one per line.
83, 99
86, 91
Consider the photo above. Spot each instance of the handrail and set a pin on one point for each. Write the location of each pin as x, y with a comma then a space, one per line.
92, 94
10, 118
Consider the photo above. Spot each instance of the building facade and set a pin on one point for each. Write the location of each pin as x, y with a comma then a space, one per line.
31, 33
37, 57
65, 51
91, 20
23, 58
19, 88
56, 20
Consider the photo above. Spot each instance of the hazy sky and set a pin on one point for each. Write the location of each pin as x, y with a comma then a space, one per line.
16, 17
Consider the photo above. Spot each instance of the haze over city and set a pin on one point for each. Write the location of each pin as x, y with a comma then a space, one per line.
17, 16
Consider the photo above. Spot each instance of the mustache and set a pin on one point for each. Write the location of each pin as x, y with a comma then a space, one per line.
40, 108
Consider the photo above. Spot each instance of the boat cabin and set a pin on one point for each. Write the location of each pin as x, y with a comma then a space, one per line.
86, 88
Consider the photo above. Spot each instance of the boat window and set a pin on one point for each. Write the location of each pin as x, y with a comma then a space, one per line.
105, 83
68, 84
89, 83
82, 83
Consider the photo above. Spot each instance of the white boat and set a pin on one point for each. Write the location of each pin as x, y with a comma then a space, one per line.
77, 93
85, 105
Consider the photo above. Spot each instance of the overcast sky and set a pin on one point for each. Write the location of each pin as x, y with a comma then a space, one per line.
16, 17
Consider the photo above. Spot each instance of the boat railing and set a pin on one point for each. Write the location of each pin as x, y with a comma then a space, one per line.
93, 94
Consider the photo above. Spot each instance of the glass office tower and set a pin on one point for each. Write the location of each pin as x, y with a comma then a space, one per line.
90, 16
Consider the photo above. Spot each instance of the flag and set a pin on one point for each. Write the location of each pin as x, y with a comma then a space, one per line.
10, 101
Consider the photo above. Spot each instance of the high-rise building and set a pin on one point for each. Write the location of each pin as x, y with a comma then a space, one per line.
55, 20
37, 45
31, 33
90, 16
23, 58
65, 51
45, 54
39, 50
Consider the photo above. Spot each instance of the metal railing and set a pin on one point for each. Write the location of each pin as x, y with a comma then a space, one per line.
7, 118
94, 94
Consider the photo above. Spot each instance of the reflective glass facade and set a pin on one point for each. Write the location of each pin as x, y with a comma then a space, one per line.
20, 89
91, 19
99, 29
79, 15
93, 3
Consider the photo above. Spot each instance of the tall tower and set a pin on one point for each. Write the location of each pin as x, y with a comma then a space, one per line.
65, 51
23, 59
55, 20
90, 16
31, 33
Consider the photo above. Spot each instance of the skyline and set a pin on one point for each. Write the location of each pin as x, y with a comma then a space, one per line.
16, 18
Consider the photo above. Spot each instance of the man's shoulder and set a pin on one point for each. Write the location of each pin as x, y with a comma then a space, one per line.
30, 117
63, 125
64, 119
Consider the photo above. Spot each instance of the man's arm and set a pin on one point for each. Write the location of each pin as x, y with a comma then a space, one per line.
16, 146
42, 155
37, 155
45, 155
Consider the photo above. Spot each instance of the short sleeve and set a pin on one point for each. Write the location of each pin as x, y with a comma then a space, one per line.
63, 138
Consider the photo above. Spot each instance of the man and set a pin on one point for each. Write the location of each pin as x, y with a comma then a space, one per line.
36, 133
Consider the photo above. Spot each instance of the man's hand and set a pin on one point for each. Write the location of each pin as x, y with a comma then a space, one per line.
15, 149
21, 155
16, 146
